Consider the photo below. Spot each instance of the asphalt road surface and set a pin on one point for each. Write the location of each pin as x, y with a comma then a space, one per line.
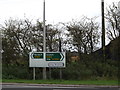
55, 87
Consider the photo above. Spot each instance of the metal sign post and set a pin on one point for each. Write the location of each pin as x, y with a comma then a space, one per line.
33, 73
44, 39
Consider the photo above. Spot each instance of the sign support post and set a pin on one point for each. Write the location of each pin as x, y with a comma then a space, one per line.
33, 73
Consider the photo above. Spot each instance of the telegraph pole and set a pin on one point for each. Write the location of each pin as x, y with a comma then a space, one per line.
44, 39
60, 50
103, 29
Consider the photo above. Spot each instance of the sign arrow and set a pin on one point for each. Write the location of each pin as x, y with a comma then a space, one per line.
54, 56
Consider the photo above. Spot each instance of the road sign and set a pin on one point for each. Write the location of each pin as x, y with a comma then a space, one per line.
37, 55
54, 56
47, 59
56, 64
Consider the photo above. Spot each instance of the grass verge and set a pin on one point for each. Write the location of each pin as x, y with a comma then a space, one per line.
71, 82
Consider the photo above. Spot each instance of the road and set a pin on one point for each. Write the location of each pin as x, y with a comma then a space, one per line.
16, 86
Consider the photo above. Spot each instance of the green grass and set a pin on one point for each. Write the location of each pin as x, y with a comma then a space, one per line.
82, 82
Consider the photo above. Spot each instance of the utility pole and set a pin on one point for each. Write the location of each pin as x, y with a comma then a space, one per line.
44, 39
60, 50
103, 29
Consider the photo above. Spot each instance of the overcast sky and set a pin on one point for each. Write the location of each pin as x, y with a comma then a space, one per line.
56, 10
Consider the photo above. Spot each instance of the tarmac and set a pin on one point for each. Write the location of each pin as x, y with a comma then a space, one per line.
59, 85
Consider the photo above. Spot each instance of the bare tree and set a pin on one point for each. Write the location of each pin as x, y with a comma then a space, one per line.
22, 36
52, 38
84, 34
113, 21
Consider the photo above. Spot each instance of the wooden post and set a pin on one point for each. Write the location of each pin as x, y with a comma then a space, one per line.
103, 29
60, 50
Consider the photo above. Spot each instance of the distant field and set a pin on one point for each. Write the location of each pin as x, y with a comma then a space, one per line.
82, 82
